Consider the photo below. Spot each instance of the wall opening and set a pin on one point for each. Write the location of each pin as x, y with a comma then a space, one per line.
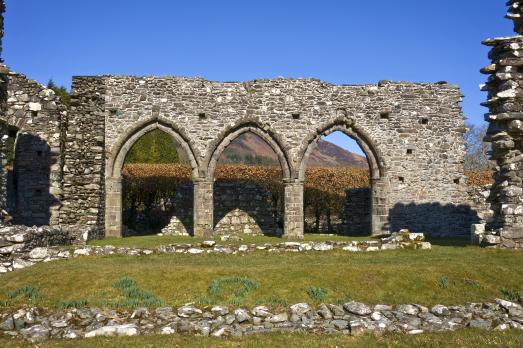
157, 190
28, 172
248, 188
337, 196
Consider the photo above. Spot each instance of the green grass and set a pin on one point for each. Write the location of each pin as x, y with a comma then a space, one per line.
153, 241
459, 339
391, 277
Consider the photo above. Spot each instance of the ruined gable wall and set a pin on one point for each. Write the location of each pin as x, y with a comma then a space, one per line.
37, 115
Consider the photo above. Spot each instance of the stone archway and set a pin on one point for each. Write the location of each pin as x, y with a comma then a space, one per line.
221, 144
115, 162
378, 177
416, 149
228, 136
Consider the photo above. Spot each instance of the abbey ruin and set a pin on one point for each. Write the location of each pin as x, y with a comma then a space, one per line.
68, 162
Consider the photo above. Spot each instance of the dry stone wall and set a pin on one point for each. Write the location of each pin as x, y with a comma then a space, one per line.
351, 318
505, 102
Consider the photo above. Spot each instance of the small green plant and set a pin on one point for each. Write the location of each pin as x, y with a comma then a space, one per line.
246, 285
511, 295
29, 292
444, 282
273, 301
124, 283
135, 296
317, 294
73, 304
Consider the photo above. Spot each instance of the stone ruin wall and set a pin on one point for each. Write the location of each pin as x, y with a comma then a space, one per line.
84, 159
37, 117
414, 132
505, 103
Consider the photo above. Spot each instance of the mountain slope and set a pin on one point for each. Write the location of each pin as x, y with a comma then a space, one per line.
251, 149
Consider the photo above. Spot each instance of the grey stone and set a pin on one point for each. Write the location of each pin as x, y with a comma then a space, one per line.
300, 308
340, 324
115, 330
261, 311
242, 315
278, 318
440, 310
208, 243
219, 310
324, 312
39, 253
189, 311
480, 324
36, 333
408, 309
357, 308
140, 313
337, 310
7, 324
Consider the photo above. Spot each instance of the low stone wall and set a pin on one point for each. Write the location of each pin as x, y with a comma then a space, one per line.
351, 318
239, 208
17, 244
18, 256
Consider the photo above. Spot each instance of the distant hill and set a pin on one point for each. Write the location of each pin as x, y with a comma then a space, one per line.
326, 154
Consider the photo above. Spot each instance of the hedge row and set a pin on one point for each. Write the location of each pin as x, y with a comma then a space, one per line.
334, 180
165, 176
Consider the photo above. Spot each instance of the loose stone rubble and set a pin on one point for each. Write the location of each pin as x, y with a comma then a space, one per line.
20, 251
351, 318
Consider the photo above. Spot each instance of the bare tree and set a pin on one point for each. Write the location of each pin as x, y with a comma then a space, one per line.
476, 156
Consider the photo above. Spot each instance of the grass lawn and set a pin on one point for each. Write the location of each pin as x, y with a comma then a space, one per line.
446, 274
152, 241
464, 338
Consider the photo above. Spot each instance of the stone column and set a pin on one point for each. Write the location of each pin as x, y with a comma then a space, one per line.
113, 207
293, 214
379, 209
203, 208
505, 103
84, 155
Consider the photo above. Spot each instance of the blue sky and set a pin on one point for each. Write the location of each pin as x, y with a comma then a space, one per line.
338, 41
